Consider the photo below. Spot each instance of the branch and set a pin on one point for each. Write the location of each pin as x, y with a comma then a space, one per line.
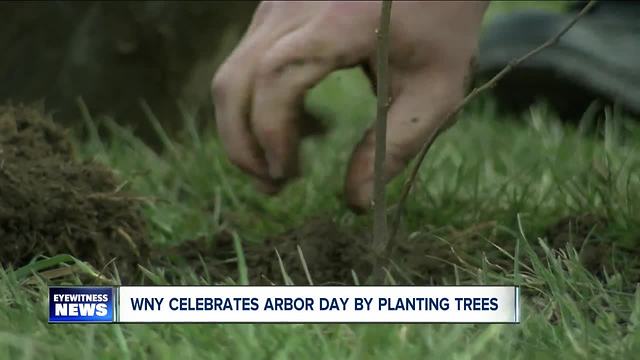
408, 185
379, 200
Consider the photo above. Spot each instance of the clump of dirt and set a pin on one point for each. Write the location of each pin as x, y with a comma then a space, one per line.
51, 203
330, 255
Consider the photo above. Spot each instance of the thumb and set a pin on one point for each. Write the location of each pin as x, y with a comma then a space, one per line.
417, 113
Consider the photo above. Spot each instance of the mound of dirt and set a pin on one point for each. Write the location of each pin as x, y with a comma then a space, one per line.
50, 203
330, 255
333, 254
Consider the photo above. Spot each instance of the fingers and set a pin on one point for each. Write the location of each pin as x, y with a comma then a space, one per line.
293, 65
232, 91
232, 100
258, 91
420, 105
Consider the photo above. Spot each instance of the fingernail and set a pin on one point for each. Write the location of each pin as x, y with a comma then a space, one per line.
276, 170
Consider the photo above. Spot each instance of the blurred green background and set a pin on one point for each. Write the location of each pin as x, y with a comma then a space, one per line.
112, 55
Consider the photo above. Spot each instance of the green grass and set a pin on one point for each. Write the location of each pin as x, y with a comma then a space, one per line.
520, 174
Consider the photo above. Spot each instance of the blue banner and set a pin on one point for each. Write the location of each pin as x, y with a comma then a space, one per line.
82, 304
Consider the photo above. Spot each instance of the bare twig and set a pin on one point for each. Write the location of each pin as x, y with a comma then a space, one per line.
472, 95
379, 200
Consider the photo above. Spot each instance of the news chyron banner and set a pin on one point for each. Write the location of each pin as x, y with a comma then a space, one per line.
285, 304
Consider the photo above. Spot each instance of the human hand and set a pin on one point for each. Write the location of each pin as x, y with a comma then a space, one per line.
290, 46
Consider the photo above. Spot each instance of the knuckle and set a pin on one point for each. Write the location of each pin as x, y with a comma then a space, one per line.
219, 84
269, 67
277, 63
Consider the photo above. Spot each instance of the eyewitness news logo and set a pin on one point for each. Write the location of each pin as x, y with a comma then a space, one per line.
81, 304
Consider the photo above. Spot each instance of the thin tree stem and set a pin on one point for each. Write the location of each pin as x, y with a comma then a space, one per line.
380, 232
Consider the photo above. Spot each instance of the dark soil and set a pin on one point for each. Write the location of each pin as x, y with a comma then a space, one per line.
598, 250
578, 232
50, 203
333, 255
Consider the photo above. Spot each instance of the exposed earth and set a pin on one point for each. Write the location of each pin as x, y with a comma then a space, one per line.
53, 203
